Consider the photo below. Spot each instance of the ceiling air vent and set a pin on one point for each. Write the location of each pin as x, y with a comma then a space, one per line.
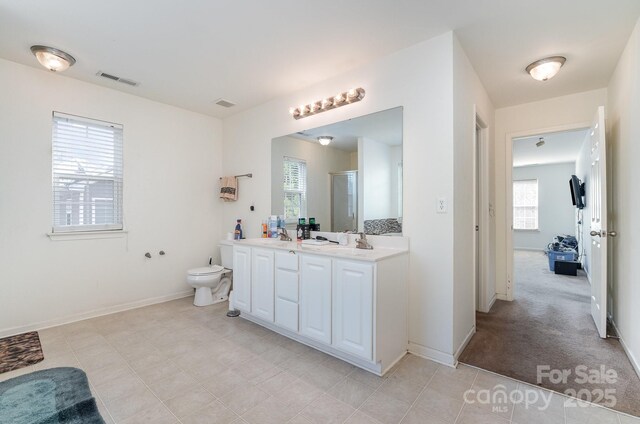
115, 78
224, 103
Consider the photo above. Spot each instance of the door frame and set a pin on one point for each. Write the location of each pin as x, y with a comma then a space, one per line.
481, 211
508, 188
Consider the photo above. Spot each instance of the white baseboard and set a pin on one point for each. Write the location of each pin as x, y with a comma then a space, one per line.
501, 296
630, 355
93, 314
433, 355
464, 343
493, 300
530, 249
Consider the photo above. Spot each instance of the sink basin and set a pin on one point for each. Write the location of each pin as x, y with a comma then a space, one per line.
274, 242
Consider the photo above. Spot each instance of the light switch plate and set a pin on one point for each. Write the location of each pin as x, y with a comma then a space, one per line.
441, 205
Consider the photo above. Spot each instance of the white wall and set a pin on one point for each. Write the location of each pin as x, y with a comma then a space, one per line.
321, 160
470, 98
583, 171
374, 169
172, 161
556, 213
624, 153
529, 119
420, 79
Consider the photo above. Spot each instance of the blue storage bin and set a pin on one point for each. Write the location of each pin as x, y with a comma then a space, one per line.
567, 255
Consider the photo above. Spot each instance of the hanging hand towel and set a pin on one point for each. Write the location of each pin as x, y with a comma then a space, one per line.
229, 189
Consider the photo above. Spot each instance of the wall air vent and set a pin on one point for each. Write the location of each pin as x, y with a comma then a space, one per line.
224, 103
118, 79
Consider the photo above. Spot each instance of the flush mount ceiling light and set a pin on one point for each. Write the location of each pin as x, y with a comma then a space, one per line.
546, 68
325, 140
53, 59
540, 142
340, 99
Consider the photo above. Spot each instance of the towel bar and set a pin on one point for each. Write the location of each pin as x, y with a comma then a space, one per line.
243, 175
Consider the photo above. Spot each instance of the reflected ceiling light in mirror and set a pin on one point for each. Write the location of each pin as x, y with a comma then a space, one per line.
546, 68
325, 140
341, 99
53, 59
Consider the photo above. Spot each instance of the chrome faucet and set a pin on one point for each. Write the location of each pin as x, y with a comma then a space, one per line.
362, 242
284, 236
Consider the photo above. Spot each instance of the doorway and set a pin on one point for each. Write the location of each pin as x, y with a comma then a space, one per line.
548, 323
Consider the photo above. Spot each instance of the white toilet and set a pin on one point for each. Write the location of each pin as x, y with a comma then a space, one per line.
212, 283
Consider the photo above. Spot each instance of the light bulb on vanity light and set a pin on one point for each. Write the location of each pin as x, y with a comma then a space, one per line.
350, 96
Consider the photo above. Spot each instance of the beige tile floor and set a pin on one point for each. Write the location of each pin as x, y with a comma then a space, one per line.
175, 363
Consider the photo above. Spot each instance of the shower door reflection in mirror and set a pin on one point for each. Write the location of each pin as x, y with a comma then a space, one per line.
344, 201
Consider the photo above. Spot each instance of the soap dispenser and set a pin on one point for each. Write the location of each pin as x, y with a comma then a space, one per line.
238, 231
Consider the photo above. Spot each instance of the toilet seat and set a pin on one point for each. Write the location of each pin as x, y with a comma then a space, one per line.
206, 270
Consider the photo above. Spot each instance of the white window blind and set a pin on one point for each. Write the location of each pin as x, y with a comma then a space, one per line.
295, 189
525, 205
87, 174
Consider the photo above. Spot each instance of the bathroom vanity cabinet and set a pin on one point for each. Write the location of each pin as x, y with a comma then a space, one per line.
348, 303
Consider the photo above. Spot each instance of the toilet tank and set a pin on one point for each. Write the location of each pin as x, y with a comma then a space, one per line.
226, 254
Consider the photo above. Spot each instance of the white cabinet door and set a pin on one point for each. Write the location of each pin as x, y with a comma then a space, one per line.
353, 308
262, 282
242, 278
315, 297
287, 290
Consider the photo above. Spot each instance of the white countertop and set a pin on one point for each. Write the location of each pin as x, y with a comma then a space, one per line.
378, 253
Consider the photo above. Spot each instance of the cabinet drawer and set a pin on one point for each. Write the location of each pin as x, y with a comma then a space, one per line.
287, 314
287, 260
287, 284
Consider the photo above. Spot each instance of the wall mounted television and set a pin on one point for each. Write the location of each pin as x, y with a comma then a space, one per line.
577, 192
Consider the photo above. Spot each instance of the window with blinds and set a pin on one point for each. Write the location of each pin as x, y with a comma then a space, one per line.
87, 174
295, 189
525, 205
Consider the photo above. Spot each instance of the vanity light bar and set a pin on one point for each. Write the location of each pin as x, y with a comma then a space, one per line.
340, 99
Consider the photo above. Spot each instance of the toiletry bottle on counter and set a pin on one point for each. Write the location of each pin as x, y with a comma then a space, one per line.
300, 228
238, 231
264, 229
273, 226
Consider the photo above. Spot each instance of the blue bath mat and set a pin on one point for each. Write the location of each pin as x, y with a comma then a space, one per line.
53, 396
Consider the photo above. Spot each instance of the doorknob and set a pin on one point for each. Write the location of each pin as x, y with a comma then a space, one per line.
595, 233
612, 233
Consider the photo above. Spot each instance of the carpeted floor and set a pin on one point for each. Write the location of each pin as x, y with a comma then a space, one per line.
549, 323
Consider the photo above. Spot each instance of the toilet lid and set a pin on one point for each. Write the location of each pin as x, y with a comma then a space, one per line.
205, 270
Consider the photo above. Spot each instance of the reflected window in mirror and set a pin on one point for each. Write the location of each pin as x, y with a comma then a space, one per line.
295, 189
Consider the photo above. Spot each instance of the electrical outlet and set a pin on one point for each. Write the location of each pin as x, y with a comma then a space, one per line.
441, 205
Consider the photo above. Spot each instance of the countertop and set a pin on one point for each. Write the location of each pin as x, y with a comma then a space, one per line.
378, 253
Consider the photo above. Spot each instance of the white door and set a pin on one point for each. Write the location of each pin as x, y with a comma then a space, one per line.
286, 313
262, 282
353, 307
315, 297
242, 278
597, 201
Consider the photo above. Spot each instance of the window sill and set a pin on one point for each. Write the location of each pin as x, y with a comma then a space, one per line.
87, 235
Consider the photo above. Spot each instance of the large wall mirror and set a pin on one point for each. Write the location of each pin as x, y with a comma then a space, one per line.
354, 183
